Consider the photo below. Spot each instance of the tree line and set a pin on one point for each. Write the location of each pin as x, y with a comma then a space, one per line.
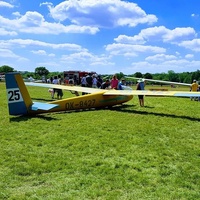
183, 77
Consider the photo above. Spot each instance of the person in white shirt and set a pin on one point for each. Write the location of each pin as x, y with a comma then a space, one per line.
83, 83
59, 92
94, 81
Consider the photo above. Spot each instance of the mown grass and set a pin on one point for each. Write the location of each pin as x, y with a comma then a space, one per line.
128, 152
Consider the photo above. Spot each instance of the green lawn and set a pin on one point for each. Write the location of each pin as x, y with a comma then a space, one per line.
129, 152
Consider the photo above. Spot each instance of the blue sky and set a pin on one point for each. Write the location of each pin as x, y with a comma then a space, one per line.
106, 36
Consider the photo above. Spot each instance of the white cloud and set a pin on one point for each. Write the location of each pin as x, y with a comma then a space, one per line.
78, 56
189, 56
160, 57
5, 4
178, 34
17, 14
20, 43
164, 66
137, 39
39, 52
7, 53
84, 56
193, 45
87, 61
35, 23
5, 32
51, 65
51, 55
121, 49
194, 15
160, 33
101, 13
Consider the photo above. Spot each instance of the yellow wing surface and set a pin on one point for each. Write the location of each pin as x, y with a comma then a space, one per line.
153, 93
118, 92
66, 87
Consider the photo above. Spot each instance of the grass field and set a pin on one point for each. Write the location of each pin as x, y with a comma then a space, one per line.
129, 152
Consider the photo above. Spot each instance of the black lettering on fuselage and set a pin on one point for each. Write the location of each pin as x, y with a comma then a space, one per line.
81, 104
69, 106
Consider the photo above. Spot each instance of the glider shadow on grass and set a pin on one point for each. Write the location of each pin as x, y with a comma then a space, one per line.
46, 117
133, 111
122, 108
29, 117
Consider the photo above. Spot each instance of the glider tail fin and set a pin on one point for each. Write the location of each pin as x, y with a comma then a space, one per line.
19, 100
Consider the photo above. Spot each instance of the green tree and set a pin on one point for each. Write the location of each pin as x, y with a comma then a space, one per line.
184, 77
120, 75
173, 76
161, 76
6, 68
196, 75
138, 75
148, 76
41, 71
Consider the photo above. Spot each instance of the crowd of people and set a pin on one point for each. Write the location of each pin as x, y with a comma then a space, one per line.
95, 81
91, 81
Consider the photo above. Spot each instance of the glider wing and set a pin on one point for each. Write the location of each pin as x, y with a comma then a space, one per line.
153, 93
65, 87
118, 92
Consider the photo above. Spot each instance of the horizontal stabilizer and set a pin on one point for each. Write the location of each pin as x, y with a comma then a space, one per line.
43, 106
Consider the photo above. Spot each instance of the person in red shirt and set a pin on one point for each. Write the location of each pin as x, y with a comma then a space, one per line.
114, 82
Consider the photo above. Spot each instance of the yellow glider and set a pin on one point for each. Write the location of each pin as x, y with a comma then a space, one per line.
20, 102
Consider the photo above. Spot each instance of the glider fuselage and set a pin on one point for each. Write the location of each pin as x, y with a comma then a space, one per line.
20, 102
95, 100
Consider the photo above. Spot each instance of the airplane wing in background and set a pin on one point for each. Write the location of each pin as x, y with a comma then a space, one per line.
160, 81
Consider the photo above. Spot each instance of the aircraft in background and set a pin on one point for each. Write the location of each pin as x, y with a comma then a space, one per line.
20, 102
2, 77
159, 81
30, 79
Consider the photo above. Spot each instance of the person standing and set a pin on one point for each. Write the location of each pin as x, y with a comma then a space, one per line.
105, 85
114, 82
194, 88
83, 83
89, 80
57, 80
94, 81
121, 84
59, 91
99, 81
140, 86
